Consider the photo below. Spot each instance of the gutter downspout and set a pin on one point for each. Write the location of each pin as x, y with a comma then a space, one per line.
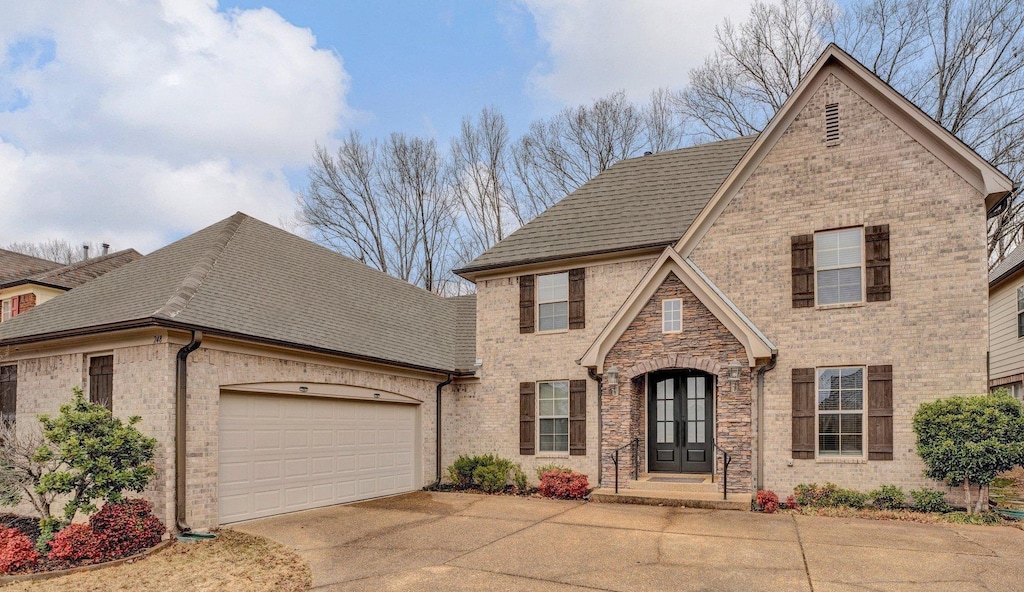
180, 443
600, 424
440, 386
760, 418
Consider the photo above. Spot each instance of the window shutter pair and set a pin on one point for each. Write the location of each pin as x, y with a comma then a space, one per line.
8, 394
577, 301
876, 266
878, 433
577, 417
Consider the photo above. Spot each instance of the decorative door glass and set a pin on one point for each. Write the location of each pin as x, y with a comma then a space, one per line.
664, 400
696, 420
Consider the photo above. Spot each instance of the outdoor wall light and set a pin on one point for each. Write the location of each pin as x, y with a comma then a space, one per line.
612, 376
734, 374
303, 389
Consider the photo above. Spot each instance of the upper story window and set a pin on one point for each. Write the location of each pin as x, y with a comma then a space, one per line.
6, 315
553, 301
671, 315
839, 266
1020, 311
840, 411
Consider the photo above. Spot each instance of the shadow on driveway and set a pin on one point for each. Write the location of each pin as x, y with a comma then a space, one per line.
452, 541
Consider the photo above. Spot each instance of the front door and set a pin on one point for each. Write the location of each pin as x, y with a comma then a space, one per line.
679, 422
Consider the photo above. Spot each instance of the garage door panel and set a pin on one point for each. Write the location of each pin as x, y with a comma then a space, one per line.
281, 454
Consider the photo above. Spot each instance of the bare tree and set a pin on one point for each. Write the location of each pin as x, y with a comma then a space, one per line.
57, 250
22, 466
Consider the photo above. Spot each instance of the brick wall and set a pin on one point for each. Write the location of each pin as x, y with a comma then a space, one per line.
704, 344
932, 331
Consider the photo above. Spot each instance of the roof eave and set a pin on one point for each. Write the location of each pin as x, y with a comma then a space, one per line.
23, 282
472, 272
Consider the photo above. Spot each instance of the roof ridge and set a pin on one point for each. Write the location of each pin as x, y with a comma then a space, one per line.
188, 287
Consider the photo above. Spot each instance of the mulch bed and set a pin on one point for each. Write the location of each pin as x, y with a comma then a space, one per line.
27, 525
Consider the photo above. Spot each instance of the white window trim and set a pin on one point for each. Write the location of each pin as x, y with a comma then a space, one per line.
540, 302
5, 310
863, 268
1020, 310
553, 453
839, 458
664, 304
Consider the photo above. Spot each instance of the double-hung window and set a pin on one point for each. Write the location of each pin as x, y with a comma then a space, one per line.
839, 266
554, 416
5, 315
671, 315
553, 301
1020, 311
840, 412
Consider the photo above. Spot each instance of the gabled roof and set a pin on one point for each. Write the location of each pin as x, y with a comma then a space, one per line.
15, 266
245, 279
641, 202
465, 332
987, 179
1009, 266
753, 340
76, 274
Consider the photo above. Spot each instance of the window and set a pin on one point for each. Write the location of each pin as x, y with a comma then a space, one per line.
839, 266
554, 416
671, 316
8, 394
1020, 312
6, 315
101, 381
553, 301
841, 412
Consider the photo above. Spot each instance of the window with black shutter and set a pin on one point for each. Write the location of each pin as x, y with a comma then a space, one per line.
101, 381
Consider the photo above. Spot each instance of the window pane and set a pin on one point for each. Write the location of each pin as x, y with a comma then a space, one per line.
852, 378
852, 423
561, 407
561, 443
547, 407
828, 400
661, 433
828, 444
851, 445
553, 287
828, 424
545, 390
554, 316
1020, 299
1020, 325
828, 379
669, 410
828, 287
700, 409
849, 284
853, 400
825, 245
547, 443
691, 409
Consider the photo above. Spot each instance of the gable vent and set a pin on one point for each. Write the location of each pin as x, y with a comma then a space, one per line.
831, 124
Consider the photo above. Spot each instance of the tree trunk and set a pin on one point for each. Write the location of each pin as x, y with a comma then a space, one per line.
982, 498
967, 496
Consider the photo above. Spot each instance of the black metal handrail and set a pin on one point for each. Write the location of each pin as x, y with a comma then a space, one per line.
635, 444
727, 458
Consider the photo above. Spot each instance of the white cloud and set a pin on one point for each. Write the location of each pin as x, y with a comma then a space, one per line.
135, 123
596, 47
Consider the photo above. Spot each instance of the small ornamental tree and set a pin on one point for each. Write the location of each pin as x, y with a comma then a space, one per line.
967, 441
100, 455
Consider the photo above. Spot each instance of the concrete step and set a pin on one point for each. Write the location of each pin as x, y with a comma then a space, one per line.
653, 497
705, 487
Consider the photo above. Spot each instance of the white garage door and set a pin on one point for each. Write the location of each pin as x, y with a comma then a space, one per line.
286, 453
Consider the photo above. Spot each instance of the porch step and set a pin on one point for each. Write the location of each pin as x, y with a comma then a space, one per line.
674, 482
682, 499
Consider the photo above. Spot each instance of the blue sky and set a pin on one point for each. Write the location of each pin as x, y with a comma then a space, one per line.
135, 123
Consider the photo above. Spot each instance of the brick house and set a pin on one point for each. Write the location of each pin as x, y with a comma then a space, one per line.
788, 299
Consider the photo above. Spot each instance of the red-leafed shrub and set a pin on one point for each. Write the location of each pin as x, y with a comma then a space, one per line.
768, 501
564, 484
77, 543
126, 527
16, 551
791, 503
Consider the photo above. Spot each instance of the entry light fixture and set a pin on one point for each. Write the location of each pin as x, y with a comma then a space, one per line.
612, 376
303, 389
735, 367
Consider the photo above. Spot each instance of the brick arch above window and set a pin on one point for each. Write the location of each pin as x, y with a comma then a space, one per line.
671, 362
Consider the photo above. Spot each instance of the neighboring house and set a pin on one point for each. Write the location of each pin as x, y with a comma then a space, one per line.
790, 298
1006, 324
26, 282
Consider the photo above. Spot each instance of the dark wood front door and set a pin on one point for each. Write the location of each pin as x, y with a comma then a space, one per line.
679, 412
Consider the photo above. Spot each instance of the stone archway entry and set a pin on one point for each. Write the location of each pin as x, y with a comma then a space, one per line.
680, 430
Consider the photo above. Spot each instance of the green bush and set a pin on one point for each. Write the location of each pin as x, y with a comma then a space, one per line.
487, 472
550, 467
519, 479
888, 497
928, 500
492, 477
461, 471
970, 440
828, 495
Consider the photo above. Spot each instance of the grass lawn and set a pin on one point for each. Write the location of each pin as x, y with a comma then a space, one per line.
232, 562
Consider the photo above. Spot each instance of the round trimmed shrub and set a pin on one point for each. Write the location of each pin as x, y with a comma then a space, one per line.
127, 527
77, 543
17, 553
768, 500
564, 484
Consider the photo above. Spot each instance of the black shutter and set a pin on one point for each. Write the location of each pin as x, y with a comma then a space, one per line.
526, 303
577, 417
803, 270
527, 417
803, 412
577, 298
8, 394
876, 261
879, 413
101, 381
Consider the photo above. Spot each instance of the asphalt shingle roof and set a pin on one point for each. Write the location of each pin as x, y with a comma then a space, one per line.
15, 266
76, 274
1007, 266
465, 331
246, 278
645, 201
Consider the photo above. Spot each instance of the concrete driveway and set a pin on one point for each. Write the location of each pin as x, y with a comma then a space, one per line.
449, 541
